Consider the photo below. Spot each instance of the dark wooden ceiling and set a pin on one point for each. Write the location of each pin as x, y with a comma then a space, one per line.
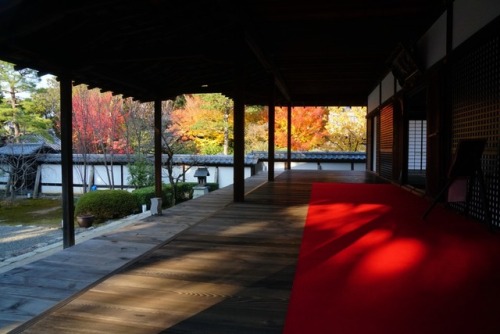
316, 52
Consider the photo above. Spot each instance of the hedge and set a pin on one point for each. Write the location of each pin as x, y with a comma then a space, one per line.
107, 204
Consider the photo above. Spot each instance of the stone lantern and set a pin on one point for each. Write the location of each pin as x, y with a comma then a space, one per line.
201, 189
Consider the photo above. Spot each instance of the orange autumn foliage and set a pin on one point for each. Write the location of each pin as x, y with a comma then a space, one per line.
308, 128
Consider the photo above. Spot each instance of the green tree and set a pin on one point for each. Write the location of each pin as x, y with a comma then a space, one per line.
256, 128
16, 116
141, 172
46, 102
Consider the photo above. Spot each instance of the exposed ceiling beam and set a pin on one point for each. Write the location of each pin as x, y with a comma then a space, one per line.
268, 65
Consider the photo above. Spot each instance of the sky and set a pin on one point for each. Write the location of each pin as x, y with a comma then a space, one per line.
43, 82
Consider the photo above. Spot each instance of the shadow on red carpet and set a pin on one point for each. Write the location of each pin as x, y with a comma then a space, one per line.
368, 263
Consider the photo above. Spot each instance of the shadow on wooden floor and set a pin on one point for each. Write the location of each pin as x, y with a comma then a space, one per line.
206, 266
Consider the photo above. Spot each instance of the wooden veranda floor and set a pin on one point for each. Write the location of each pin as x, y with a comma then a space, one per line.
206, 266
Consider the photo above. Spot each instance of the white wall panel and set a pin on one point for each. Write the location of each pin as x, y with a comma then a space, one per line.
431, 48
374, 99
388, 87
469, 16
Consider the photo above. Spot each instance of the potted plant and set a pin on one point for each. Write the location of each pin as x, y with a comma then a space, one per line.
85, 220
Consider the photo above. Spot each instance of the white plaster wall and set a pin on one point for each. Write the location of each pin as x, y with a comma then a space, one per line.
304, 165
431, 47
374, 99
360, 166
52, 174
177, 170
469, 16
279, 165
101, 176
189, 175
224, 176
78, 174
4, 177
387, 87
343, 166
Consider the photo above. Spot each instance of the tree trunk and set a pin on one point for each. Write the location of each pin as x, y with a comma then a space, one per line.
13, 104
171, 179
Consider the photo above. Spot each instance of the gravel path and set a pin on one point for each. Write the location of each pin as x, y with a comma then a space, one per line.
18, 240
23, 244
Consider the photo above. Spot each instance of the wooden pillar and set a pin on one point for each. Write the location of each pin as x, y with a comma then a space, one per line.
288, 164
271, 136
239, 126
66, 89
239, 148
157, 148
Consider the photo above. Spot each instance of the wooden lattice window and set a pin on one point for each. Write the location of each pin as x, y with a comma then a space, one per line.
476, 113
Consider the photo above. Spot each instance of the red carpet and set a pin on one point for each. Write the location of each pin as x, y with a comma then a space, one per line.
369, 264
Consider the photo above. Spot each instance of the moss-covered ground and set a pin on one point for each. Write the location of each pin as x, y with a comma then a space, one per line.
24, 211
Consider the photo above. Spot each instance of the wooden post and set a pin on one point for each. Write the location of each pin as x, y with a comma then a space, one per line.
157, 148
271, 136
239, 148
288, 164
67, 161
239, 127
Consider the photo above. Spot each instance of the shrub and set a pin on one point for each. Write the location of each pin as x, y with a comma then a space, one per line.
144, 195
184, 193
107, 204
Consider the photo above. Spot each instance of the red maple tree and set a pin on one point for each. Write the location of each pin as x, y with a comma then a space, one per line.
98, 123
308, 128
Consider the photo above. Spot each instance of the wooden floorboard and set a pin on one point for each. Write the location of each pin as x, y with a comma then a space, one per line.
229, 269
